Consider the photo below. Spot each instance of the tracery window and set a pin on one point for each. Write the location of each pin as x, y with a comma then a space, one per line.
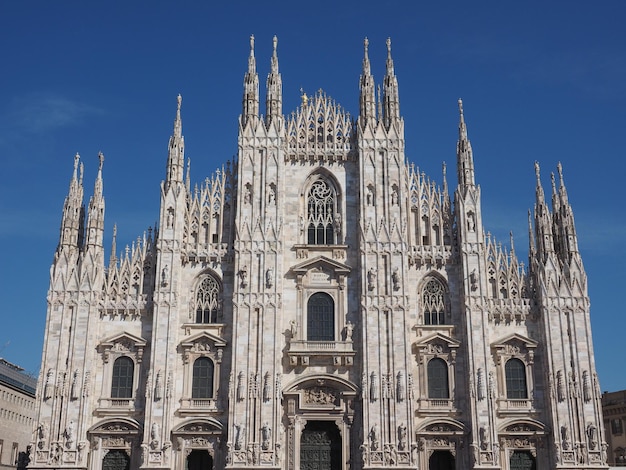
321, 205
202, 383
515, 372
320, 318
207, 301
437, 371
433, 302
122, 378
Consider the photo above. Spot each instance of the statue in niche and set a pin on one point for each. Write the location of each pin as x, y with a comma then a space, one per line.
402, 436
337, 223
471, 222
565, 437
375, 437
370, 196
349, 330
484, 439
269, 277
293, 329
395, 279
266, 435
239, 430
394, 197
243, 275
371, 278
154, 435
271, 195
164, 276
592, 435
247, 195
70, 432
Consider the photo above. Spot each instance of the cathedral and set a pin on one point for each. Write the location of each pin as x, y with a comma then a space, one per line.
318, 303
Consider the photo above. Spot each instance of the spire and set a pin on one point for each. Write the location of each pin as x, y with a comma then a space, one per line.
176, 154
446, 193
187, 178
531, 239
391, 99
367, 97
250, 89
566, 218
113, 258
464, 156
95, 219
274, 101
73, 211
543, 220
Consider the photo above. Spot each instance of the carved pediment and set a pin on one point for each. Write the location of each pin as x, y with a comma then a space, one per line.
117, 426
442, 426
436, 342
321, 264
515, 344
205, 426
321, 271
123, 343
203, 344
202, 339
523, 427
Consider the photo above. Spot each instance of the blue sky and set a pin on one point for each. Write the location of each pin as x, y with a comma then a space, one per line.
540, 80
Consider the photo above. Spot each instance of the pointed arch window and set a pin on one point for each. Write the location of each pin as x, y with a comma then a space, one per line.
515, 372
321, 318
202, 383
438, 387
321, 205
122, 378
208, 301
434, 302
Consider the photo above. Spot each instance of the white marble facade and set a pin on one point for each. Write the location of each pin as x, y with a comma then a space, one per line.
318, 301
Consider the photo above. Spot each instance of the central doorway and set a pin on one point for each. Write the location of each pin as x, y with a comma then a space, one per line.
320, 446
116, 460
199, 460
522, 460
441, 460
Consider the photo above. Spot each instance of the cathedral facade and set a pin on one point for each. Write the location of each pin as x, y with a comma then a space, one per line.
317, 303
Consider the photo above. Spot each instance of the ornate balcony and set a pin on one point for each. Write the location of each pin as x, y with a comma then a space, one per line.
305, 352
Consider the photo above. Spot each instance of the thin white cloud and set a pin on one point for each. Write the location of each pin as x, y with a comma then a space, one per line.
40, 113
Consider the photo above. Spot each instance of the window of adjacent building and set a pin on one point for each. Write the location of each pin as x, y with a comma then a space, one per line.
437, 370
321, 203
207, 301
515, 372
433, 302
122, 378
616, 426
321, 318
202, 385
14, 453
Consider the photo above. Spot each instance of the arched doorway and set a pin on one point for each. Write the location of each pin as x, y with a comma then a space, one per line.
116, 460
320, 446
522, 460
199, 460
441, 460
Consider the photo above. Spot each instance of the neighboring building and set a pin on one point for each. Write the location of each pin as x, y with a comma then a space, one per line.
614, 409
318, 303
17, 414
